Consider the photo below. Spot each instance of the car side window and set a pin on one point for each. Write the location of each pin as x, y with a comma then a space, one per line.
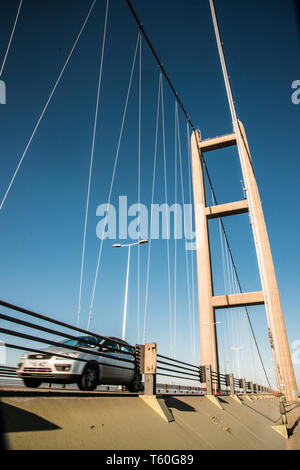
125, 349
89, 341
110, 345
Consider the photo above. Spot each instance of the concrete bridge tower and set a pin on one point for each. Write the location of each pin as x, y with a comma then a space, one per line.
269, 296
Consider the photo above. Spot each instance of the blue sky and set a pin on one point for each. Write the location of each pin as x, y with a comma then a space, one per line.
43, 216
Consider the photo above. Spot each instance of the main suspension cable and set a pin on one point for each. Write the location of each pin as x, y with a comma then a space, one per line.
140, 25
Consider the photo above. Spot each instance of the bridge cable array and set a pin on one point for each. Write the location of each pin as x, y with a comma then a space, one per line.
168, 226
113, 178
192, 325
172, 317
172, 305
152, 201
161, 66
47, 104
91, 161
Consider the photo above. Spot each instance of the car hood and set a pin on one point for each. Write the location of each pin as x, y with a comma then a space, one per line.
54, 351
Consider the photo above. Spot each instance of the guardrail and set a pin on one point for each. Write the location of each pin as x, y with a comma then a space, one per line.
9, 373
129, 358
174, 389
205, 380
144, 358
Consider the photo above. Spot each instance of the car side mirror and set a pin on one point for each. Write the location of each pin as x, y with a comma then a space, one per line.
103, 349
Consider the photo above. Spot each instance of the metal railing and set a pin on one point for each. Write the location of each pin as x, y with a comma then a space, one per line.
143, 358
186, 370
9, 373
173, 389
205, 381
129, 358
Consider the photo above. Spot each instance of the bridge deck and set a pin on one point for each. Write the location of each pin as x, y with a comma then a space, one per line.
126, 422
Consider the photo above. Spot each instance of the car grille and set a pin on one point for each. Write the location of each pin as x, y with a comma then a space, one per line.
43, 370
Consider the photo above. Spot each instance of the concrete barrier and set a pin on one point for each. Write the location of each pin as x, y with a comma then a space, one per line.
127, 422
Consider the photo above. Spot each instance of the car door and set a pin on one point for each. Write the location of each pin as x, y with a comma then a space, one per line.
110, 373
127, 353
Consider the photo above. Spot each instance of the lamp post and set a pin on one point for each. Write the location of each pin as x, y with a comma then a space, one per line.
141, 242
211, 332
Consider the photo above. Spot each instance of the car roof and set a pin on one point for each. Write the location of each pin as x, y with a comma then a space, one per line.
119, 340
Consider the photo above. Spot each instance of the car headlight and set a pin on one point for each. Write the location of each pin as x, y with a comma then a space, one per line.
70, 354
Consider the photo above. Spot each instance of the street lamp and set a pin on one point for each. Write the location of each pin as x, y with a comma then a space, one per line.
212, 345
141, 242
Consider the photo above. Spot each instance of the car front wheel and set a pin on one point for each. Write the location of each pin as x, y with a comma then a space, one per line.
89, 378
32, 383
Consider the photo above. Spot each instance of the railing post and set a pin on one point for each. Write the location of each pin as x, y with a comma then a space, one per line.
208, 380
139, 360
230, 383
244, 385
150, 365
202, 378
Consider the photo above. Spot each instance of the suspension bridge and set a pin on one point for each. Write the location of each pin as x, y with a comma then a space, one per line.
215, 365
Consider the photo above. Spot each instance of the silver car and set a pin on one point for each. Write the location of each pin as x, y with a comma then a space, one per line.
83, 368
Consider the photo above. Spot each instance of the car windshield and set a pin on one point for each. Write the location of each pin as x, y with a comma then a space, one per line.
81, 341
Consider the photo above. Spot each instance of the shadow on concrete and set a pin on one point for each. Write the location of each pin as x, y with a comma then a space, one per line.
17, 420
292, 429
172, 402
262, 414
293, 417
221, 400
294, 406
